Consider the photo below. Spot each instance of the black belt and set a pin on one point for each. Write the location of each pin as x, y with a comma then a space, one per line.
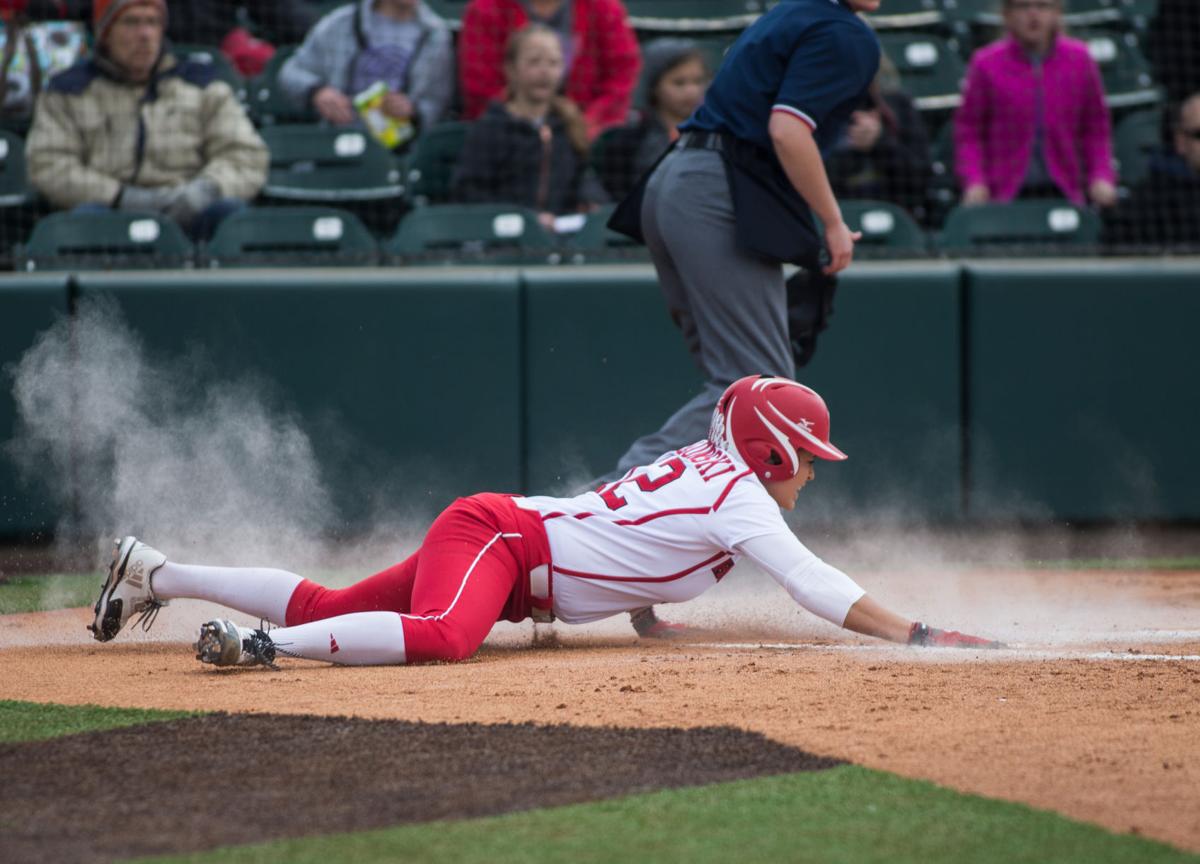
701, 141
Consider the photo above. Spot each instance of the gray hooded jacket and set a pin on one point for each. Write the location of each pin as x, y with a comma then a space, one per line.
327, 54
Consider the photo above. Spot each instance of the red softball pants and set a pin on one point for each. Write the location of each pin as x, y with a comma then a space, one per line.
471, 571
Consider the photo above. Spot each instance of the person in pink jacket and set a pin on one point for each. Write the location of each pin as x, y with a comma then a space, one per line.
1033, 122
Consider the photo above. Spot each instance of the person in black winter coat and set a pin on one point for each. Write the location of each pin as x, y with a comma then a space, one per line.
1163, 212
883, 152
531, 149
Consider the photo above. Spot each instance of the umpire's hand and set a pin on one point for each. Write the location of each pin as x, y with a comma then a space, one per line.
840, 240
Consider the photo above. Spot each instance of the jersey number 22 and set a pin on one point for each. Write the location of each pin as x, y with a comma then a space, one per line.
674, 469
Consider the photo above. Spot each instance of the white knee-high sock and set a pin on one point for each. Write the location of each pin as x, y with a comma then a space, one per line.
357, 639
262, 592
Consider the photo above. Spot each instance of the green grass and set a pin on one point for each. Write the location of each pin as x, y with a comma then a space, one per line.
56, 591
849, 814
32, 721
1117, 564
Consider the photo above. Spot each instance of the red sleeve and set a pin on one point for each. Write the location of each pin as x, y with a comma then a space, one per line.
617, 63
481, 55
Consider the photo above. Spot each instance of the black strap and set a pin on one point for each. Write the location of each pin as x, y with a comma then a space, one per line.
700, 140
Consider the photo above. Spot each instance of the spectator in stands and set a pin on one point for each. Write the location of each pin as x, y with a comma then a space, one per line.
1164, 209
883, 151
402, 43
1174, 49
530, 149
600, 54
211, 22
1033, 122
674, 77
132, 128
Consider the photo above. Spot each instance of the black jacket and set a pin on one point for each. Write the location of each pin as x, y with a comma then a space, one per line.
1163, 212
505, 160
898, 169
627, 152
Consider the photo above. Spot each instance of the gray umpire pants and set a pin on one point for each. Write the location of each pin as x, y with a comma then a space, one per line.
730, 305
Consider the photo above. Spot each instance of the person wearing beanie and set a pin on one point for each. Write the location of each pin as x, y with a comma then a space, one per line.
134, 128
674, 75
136, 45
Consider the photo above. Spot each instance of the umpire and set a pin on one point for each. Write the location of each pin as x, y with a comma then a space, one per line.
730, 202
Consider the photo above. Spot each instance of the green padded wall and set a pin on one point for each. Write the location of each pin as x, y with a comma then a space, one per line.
1084, 401
604, 365
888, 367
406, 381
28, 305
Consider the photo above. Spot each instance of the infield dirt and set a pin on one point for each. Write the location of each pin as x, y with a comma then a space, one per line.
1103, 730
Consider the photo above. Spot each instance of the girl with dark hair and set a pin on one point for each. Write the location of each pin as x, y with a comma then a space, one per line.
674, 77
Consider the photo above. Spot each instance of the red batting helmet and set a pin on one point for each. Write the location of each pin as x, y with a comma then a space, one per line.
764, 419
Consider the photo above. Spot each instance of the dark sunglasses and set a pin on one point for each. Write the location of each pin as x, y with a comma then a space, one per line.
1194, 134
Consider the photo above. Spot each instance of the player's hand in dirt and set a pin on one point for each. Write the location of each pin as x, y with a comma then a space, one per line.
932, 637
648, 625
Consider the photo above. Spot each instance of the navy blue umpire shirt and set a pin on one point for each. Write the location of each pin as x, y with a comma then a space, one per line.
813, 59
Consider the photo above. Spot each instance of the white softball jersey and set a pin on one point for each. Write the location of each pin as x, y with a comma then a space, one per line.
667, 532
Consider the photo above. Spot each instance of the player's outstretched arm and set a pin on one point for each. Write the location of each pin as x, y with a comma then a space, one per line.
870, 618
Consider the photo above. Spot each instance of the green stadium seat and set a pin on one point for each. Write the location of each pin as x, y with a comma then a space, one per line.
713, 46
105, 241
324, 7
267, 102
1078, 13
1128, 79
980, 21
686, 17
1036, 226
887, 229
18, 200
451, 10
1138, 137
319, 164
942, 193
291, 237
907, 15
597, 242
941, 151
211, 56
472, 233
429, 165
15, 190
930, 66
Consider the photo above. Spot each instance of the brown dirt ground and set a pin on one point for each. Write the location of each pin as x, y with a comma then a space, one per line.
231, 779
1096, 731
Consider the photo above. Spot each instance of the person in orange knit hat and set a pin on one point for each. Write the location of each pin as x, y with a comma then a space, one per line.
174, 141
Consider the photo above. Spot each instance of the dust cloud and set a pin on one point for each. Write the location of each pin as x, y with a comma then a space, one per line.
130, 443
221, 472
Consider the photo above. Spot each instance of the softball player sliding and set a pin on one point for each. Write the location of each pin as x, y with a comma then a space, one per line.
663, 533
